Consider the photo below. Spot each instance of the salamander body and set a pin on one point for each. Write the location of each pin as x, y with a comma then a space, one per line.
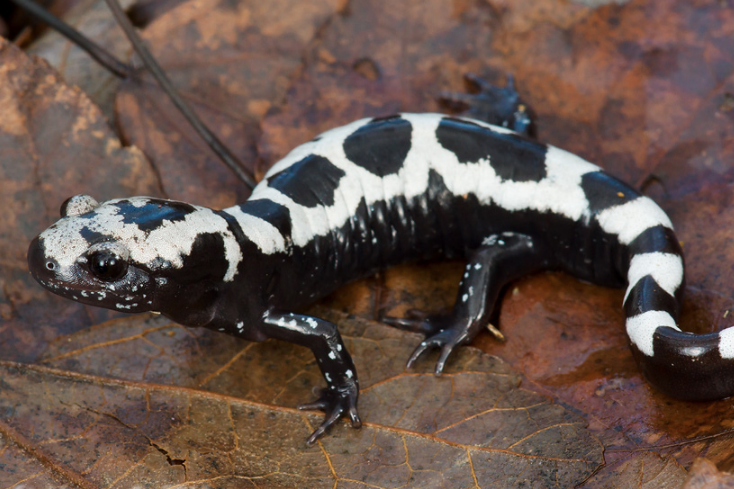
369, 195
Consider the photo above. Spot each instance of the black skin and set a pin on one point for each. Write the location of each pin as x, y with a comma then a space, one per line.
257, 304
489, 269
511, 256
500, 245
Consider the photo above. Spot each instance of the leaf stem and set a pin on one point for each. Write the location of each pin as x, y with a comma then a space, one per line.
214, 143
101, 55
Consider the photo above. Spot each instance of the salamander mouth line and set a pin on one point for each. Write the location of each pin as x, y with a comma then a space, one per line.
69, 289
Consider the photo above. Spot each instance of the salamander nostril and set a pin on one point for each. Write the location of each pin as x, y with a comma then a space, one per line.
50, 265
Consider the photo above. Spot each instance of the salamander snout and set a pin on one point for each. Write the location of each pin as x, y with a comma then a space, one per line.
39, 265
45, 269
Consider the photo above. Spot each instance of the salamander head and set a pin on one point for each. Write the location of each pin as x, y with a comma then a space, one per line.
124, 254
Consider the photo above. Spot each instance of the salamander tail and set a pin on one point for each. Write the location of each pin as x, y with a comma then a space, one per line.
683, 365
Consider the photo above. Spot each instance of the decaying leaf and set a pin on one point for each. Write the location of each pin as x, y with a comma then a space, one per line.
239, 58
705, 475
647, 100
93, 19
55, 143
420, 430
643, 470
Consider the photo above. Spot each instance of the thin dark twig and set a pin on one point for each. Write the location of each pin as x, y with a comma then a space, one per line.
220, 149
103, 57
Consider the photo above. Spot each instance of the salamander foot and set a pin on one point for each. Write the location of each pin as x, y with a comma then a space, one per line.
335, 403
441, 331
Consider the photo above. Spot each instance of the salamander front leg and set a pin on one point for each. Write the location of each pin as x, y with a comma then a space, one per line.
322, 337
501, 259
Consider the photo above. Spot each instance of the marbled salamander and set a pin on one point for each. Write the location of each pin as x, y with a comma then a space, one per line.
371, 194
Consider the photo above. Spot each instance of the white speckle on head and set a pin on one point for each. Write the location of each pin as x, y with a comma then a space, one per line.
349, 374
140, 202
312, 322
641, 328
726, 343
665, 268
464, 297
240, 326
332, 355
478, 266
170, 242
338, 347
471, 291
327, 377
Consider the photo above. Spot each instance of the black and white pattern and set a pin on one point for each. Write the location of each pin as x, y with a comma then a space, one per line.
377, 192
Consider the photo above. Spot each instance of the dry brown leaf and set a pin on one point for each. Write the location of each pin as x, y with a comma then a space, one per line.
648, 100
705, 475
232, 61
93, 19
642, 470
55, 143
420, 430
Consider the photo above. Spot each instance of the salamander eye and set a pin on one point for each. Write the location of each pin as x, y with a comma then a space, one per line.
107, 266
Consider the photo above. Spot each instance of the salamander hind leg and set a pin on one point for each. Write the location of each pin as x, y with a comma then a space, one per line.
339, 398
495, 105
502, 258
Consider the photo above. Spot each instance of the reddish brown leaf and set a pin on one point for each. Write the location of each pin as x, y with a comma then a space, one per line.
648, 100
643, 470
55, 143
93, 19
704, 475
232, 61
419, 430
